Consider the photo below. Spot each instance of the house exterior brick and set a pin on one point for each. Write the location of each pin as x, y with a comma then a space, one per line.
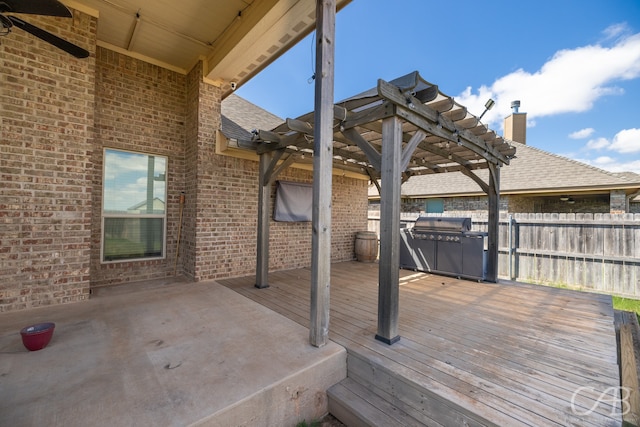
58, 114
140, 107
47, 119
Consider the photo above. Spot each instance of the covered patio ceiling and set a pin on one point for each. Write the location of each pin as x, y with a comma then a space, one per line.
438, 134
236, 39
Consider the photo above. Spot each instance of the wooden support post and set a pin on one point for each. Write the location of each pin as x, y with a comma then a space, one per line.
264, 199
494, 223
389, 273
629, 375
322, 173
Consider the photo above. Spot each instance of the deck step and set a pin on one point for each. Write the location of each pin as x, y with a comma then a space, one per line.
395, 389
356, 406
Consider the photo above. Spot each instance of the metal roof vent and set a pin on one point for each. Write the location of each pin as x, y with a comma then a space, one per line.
515, 106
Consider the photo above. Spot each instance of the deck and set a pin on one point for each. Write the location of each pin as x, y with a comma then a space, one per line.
506, 354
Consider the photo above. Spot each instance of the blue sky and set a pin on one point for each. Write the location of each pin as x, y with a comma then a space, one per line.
125, 179
574, 65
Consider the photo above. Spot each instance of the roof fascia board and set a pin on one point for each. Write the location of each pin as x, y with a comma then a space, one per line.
259, 33
246, 28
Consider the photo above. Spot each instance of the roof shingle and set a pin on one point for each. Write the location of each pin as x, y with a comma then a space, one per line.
531, 171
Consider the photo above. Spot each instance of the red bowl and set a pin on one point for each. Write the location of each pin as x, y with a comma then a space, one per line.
36, 337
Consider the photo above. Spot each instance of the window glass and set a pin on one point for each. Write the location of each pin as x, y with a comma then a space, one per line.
435, 206
134, 183
133, 205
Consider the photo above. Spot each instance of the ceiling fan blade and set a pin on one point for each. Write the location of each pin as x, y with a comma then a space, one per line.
36, 7
68, 47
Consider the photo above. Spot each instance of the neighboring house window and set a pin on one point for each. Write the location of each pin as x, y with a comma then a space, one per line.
434, 206
133, 206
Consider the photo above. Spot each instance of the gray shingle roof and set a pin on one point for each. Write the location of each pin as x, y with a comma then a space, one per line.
240, 117
532, 171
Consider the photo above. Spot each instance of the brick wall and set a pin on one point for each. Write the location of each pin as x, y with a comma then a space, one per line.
46, 117
58, 114
178, 116
139, 107
223, 209
290, 242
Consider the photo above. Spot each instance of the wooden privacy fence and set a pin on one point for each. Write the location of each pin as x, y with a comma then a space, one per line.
595, 252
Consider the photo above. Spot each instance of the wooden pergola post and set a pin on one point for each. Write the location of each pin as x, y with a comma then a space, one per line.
322, 173
389, 278
493, 223
264, 199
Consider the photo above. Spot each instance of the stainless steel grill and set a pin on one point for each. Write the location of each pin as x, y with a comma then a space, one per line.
445, 246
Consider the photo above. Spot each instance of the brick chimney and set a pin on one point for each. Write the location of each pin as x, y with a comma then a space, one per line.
515, 126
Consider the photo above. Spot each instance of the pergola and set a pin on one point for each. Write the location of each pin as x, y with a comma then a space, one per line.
398, 129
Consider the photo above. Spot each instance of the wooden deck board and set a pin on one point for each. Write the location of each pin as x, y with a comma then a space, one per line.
512, 353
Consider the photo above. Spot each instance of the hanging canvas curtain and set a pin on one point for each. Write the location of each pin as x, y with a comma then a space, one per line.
294, 202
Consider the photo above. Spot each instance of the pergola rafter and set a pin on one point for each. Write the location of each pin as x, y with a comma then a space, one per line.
399, 129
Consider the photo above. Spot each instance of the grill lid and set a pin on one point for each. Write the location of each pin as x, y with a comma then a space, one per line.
426, 223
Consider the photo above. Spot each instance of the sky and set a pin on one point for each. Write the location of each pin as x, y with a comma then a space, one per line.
125, 179
573, 65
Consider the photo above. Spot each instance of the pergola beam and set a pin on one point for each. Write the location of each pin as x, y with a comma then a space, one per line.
373, 156
407, 152
426, 146
382, 111
483, 185
428, 119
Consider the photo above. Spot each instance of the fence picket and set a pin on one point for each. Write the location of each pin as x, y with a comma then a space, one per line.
598, 252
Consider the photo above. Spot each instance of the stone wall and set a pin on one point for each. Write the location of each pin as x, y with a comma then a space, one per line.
614, 203
47, 121
618, 202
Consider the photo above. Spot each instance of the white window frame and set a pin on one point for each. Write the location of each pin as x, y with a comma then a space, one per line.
104, 215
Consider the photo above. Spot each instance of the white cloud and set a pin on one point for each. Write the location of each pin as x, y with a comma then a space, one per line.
616, 30
614, 165
598, 144
571, 81
604, 161
627, 141
582, 133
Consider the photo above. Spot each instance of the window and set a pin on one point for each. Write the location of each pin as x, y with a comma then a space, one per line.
434, 206
133, 206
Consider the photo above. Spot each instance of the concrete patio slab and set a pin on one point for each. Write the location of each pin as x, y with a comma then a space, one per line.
164, 353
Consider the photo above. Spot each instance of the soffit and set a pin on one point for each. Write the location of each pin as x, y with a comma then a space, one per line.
236, 38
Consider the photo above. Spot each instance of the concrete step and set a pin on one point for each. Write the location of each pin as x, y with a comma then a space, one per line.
300, 396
